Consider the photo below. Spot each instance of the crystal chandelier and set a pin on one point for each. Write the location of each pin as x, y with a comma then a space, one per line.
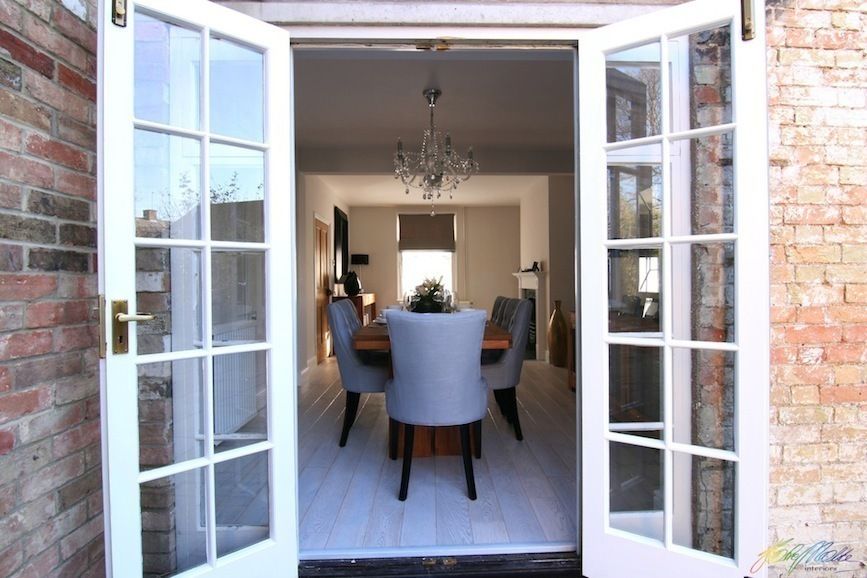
433, 170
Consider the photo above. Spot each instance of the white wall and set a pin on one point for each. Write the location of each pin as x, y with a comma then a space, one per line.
315, 199
487, 250
535, 241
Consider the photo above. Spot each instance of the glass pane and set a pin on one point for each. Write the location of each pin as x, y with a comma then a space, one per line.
167, 71
703, 185
173, 540
634, 93
634, 289
237, 193
237, 102
704, 295
240, 398
709, 69
167, 191
169, 285
635, 195
635, 385
704, 397
704, 504
636, 491
242, 500
170, 412
238, 297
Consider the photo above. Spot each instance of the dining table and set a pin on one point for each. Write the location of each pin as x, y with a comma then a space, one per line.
428, 441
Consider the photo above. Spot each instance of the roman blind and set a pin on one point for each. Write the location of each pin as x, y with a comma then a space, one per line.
422, 232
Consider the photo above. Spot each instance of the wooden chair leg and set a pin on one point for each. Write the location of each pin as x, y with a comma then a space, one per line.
468, 461
498, 396
408, 432
513, 411
393, 431
477, 435
349, 415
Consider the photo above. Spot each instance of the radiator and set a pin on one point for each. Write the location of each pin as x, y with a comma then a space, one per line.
235, 379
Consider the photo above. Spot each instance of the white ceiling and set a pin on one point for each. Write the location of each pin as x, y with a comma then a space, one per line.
384, 190
515, 107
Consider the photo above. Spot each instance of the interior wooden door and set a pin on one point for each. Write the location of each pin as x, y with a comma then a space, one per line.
323, 290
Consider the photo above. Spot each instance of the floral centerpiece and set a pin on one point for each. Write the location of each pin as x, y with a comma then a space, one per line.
429, 296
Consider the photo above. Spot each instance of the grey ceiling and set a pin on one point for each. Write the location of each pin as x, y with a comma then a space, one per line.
507, 104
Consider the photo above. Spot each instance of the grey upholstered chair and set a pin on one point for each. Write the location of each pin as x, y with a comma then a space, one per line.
497, 309
356, 376
437, 379
504, 374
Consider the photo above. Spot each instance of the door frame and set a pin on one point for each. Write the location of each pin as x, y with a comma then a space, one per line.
569, 37
320, 224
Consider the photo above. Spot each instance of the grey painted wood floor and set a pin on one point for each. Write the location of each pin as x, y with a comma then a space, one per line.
526, 490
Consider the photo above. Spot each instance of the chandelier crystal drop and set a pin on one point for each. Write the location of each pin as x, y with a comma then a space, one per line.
436, 168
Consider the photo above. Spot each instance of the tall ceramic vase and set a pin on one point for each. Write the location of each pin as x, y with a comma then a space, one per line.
557, 337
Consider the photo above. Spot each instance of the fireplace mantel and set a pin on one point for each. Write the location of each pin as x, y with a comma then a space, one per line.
536, 281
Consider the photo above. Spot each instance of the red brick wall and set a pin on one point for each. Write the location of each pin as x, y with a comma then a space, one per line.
50, 472
817, 64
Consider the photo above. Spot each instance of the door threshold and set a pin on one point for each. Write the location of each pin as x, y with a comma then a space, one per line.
560, 564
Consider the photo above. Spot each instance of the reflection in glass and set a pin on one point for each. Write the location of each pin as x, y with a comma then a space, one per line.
636, 489
167, 191
710, 76
167, 71
237, 102
634, 200
704, 504
634, 93
705, 305
242, 500
168, 285
634, 290
635, 384
237, 193
238, 297
172, 538
707, 206
240, 398
170, 412
704, 397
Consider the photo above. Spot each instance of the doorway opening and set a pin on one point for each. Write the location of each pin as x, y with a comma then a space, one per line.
515, 107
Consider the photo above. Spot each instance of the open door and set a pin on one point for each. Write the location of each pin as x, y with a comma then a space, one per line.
675, 294
197, 265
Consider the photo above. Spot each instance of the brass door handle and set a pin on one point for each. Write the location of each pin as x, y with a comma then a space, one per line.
127, 317
120, 319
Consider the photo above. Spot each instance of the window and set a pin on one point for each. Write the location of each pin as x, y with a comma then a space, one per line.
427, 247
416, 266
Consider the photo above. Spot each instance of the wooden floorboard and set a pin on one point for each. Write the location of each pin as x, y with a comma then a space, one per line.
348, 496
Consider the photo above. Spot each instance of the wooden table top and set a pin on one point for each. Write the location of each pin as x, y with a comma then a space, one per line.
374, 337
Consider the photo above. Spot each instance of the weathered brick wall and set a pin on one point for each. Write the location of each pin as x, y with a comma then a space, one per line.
50, 479
817, 59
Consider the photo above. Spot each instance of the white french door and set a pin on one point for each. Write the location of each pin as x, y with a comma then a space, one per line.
197, 238
675, 297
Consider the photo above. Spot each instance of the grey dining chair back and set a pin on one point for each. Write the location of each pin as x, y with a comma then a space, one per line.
437, 379
356, 376
497, 309
504, 374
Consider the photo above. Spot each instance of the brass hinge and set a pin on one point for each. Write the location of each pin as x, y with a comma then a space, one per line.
100, 307
118, 12
748, 30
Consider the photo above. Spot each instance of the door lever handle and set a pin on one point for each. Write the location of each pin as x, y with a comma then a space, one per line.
127, 317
